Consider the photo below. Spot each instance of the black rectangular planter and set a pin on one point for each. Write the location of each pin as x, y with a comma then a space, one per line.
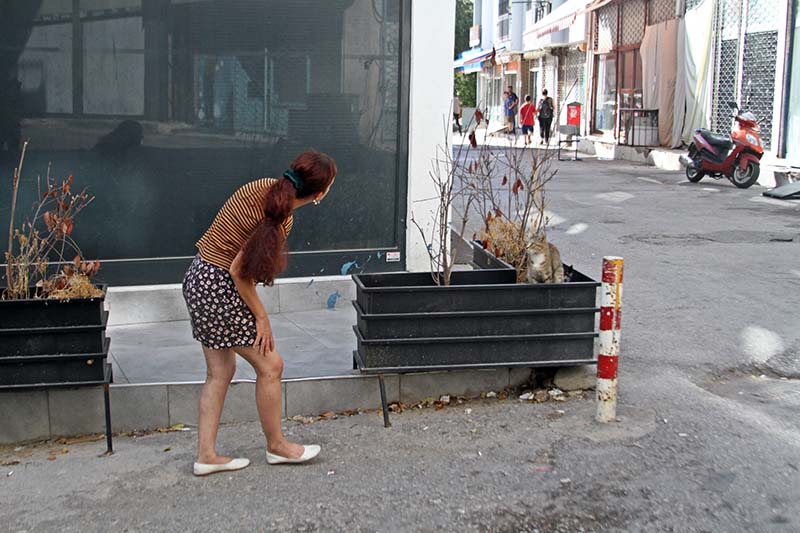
484, 319
37, 312
474, 290
475, 323
33, 370
477, 352
53, 342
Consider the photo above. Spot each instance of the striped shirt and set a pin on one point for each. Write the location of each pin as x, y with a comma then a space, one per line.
235, 223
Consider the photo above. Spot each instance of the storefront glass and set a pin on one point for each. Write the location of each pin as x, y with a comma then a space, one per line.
162, 108
605, 92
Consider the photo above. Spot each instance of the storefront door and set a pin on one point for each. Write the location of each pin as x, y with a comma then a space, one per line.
605, 93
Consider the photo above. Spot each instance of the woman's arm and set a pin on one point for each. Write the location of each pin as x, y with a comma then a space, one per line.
265, 342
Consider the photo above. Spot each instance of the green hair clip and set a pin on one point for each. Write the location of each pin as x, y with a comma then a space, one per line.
296, 180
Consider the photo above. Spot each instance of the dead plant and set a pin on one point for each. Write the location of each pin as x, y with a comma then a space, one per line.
36, 264
449, 175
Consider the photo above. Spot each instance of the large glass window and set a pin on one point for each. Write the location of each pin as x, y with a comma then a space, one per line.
162, 108
605, 92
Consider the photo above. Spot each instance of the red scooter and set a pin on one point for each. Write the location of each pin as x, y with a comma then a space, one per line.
736, 156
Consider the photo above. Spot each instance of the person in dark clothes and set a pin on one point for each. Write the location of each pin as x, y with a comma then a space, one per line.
545, 117
510, 104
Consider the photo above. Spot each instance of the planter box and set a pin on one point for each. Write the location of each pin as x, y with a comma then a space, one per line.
405, 322
53, 342
475, 323
54, 369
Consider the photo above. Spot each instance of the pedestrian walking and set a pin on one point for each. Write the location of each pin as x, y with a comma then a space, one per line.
245, 245
546, 107
526, 117
457, 113
511, 101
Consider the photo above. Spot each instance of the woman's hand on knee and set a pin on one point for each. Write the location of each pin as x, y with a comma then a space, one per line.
265, 342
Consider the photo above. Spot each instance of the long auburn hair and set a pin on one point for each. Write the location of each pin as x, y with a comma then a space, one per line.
265, 252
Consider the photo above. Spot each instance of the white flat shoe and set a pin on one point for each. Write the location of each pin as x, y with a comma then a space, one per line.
201, 469
309, 452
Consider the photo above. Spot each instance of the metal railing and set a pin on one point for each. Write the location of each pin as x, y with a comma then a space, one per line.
638, 127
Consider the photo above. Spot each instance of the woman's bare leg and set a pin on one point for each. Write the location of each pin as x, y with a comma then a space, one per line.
269, 369
221, 366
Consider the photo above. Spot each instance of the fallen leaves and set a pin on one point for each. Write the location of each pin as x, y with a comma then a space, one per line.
173, 428
302, 419
327, 415
80, 439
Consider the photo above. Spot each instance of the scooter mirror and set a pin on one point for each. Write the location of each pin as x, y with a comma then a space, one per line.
733, 106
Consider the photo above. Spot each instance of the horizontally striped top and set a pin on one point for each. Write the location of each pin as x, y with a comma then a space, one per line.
235, 223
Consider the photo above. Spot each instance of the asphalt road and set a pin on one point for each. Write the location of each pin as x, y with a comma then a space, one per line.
708, 437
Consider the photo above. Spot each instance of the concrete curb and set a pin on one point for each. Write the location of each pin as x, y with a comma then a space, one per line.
53, 413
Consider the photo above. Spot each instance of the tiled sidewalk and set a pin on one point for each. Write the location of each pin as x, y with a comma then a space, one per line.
313, 344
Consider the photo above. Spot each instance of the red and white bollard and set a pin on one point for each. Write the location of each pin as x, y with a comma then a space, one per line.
608, 358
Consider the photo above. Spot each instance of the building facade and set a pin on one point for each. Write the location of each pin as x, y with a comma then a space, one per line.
646, 71
162, 108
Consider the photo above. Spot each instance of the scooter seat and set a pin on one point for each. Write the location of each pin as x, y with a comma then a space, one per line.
723, 141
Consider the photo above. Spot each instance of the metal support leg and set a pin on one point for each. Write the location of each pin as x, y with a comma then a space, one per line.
107, 401
385, 407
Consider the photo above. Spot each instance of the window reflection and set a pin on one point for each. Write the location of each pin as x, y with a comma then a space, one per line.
162, 108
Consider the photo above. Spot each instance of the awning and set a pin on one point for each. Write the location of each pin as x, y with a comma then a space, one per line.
471, 60
560, 18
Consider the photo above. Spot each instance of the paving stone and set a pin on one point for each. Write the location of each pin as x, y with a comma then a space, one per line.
24, 415
574, 378
139, 407
519, 376
76, 411
183, 403
313, 397
468, 383
240, 403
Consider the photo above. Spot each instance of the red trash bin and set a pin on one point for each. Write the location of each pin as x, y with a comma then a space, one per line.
574, 114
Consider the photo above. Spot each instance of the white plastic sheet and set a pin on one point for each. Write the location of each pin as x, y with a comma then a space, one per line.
697, 40
659, 52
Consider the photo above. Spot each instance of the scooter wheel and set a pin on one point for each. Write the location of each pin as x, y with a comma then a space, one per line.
694, 174
747, 177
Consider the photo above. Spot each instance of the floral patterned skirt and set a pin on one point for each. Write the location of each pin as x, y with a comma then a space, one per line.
220, 318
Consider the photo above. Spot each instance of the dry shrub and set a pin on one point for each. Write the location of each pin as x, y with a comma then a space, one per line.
502, 238
78, 287
37, 264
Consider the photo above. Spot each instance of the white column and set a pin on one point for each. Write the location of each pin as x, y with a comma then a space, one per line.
488, 27
432, 36
517, 25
